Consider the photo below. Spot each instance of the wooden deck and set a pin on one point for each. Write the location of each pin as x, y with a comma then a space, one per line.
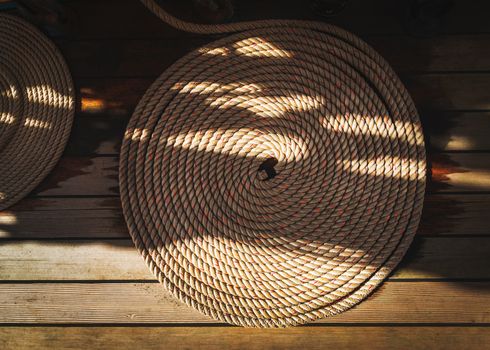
71, 278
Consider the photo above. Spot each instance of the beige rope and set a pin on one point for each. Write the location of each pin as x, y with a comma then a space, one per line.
36, 108
275, 176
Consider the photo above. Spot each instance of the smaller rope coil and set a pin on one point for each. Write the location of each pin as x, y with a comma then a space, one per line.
36, 108
275, 176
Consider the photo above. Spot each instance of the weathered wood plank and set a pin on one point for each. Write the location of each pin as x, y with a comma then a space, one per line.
34, 205
96, 135
131, 19
461, 172
432, 54
449, 92
64, 218
149, 58
72, 260
455, 214
234, 338
90, 176
82, 176
393, 302
377, 17
39, 218
457, 131
428, 257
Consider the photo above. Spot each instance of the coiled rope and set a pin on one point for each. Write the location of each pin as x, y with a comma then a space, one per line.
275, 176
36, 108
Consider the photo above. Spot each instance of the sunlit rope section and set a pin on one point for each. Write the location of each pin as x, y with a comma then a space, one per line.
36, 108
275, 176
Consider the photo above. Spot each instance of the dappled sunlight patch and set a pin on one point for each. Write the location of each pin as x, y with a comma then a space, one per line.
243, 142
36, 123
476, 180
460, 142
260, 47
376, 126
203, 87
47, 95
386, 166
93, 104
10, 93
7, 118
136, 134
266, 106
219, 51
6, 220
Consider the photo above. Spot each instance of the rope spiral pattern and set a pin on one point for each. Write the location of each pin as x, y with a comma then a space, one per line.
36, 108
275, 176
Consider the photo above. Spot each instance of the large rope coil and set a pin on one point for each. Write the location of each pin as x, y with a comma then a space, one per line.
275, 176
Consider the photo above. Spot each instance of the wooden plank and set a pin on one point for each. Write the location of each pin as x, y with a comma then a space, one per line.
393, 302
99, 218
428, 257
449, 92
98, 176
96, 135
64, 218
111, 96
72, 260
457, 131
149, 58
46, 205
431, 92
434, 54
126, 57
460, 172
233, 338
131, 19
455, 214
82, 176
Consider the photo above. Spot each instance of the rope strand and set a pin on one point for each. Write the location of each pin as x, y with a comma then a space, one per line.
275, 176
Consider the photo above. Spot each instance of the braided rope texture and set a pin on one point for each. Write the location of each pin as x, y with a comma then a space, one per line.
275, 176
36, 108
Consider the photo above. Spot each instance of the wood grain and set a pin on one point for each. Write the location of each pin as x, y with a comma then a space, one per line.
71, 229
462, 214
374, 17
233, 338
64, 218
82, 176
99, 218
459, 172
428, 257
449, 92
147, 303
457, 131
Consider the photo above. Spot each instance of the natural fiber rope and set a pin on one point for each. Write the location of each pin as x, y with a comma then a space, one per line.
259, 246
36, 108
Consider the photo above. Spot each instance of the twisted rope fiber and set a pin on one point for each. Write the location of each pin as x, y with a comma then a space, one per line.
36, 108
310, 238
